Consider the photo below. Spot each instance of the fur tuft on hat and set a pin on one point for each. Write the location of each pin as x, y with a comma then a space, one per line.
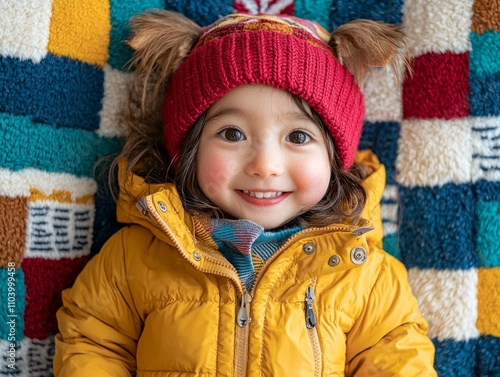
284, 52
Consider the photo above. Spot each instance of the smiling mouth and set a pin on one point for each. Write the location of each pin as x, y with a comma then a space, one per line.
263, 195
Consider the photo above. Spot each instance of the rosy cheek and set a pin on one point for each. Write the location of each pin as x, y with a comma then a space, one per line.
313, 180
213, 175
320, 187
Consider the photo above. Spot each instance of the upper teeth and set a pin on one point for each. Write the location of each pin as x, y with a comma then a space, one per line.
260, 195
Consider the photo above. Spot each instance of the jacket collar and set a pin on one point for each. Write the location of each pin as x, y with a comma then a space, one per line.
311, 252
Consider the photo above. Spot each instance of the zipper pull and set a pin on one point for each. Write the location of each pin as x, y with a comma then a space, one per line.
310, 316
367, 227
143, 208
243, 317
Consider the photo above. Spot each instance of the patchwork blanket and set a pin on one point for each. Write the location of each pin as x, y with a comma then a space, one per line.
62, 82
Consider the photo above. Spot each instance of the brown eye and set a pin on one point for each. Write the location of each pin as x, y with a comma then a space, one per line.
232, 134
298, 137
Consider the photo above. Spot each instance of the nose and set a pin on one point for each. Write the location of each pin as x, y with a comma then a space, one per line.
265, 161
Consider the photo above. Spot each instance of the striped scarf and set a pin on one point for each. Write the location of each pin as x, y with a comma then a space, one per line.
244, 244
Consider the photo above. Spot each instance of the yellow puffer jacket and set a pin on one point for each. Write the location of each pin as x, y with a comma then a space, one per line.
156, 302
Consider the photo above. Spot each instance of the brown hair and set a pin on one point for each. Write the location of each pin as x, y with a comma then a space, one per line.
162, 40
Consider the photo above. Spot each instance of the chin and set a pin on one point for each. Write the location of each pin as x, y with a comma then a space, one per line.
269, 225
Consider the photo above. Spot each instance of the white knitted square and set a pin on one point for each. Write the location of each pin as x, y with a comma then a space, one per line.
434, 152
116, 90
437, 25
448, 301
24, 29
59, 230
486, 148
383, 97
20, 183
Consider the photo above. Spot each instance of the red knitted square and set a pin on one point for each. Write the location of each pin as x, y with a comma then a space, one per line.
45, 279
438, 88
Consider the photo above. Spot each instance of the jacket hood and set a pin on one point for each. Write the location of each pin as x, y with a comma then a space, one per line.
374, 185
134, 188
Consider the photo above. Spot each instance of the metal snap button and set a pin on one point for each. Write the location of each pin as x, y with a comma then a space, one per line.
358, 255
309, 248
197, 256
333, 261
162, 206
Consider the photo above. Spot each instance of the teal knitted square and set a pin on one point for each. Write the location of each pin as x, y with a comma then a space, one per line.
488, 229
60, 150
391, 245
485, 53
121, 13
382, 138
13, 303
318, 10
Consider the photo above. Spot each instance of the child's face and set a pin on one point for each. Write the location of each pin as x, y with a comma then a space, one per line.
261, 158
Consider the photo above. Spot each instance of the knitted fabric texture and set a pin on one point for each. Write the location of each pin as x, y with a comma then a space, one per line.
63, 83
284, 52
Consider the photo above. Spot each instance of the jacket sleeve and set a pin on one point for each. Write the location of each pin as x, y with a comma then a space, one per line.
98, 323
390, 336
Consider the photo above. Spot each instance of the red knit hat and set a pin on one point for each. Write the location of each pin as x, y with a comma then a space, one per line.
283, 52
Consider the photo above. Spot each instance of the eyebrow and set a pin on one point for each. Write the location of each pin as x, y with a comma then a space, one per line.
225, 111
295, 114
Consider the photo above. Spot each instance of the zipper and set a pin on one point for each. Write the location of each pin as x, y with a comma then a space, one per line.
241, 338
311, 321
243, 317
310, 316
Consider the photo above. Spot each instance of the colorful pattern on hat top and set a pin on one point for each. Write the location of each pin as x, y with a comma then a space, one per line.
233, 23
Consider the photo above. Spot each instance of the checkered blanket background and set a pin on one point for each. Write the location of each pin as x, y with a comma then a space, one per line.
438, 133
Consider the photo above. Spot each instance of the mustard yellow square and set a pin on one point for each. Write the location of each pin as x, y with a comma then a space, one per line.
80, 30
488, 294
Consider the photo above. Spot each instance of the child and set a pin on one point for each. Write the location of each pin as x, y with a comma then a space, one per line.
263, 255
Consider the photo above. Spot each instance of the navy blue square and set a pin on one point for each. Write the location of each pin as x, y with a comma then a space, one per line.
202, 12
484, 95
488, 356
382, 138
58, 91
105, 223
436, 230
380, 10
487, 191
455, 358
